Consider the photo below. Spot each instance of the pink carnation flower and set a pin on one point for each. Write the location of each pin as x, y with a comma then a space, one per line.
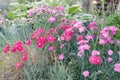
51, 19
110, 52
95, 52
117, 67
96, 60
109, 59
86, 73
28, 42
6, 49
51, 48
61, 57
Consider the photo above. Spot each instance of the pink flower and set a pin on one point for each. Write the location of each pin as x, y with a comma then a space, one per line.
117, 67
18, 65
50, 38
80, 54
80, 37
40, 44
109, 59
102, 20
67, 35
118, 42
88, 37
62, 45
51, 48
53, 11
41, 39
1, 21
95, 52
96, 60
86, 73
41, 30
6, 49
28, 42
61, 8
51, 19
110, 52
23, 19
92, 25
18, 46
113, 29
24, 57
81, 29
118, 52
78, 24
61, 57
30, 12
102, 42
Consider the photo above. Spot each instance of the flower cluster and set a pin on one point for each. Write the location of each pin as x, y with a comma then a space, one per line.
106, 35
18, 48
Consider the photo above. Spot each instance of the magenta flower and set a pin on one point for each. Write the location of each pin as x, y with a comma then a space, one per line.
96, 60
109, 59
110, 52
50, 38
24, 57
86, 73
117, 67
28, 42
61, 57
6, 49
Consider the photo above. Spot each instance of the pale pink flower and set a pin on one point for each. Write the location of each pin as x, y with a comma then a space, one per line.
61, 8
118, 52
88, 37
117, 67
78, 24
1, 21
102, 20
81, 29
110, 52
95, 52
118, 42
31, 12
61, 57
102, 42
86, 73
51, 48
109, 59
62, 45
51, 19
80, 54
53, 11
23, 19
